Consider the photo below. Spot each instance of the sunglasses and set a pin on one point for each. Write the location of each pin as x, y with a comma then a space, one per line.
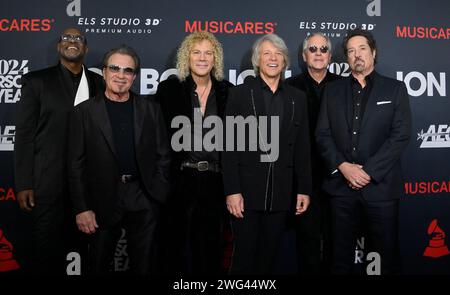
116, 69
74, 38
313, 49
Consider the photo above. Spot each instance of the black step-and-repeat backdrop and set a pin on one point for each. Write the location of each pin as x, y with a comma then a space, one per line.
414, 44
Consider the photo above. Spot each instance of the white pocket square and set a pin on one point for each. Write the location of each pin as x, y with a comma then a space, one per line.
384, 102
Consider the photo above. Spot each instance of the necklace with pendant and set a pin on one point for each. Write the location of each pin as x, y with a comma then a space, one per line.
201, 102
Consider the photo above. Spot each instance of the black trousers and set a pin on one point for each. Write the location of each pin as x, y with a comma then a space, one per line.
256, 240
47, 238
313, 232
139, 219
381, 219
192, 233
54, 235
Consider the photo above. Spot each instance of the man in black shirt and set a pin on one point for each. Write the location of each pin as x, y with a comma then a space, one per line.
42, 128
118, 166
192, 232
312, 228
363, 128
259, 184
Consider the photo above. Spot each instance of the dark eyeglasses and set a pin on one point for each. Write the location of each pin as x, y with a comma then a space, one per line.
74, 38
116, 69
313, 49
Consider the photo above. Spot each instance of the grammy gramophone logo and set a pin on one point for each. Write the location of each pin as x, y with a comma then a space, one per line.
7, 262
436, 246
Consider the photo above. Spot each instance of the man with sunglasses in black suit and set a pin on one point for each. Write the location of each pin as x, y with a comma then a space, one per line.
312, 227
42, 127
118, 166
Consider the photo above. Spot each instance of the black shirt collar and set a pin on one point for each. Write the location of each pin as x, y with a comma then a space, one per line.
324, 80
264, 85
192, 85
69, 73
369, 78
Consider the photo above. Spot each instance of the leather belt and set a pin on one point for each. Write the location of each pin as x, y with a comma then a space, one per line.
127, 178
202, 166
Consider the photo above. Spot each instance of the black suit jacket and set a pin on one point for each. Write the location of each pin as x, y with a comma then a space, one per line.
174, 97
244, 173
93, 164
42, 128
384, 134
304, 82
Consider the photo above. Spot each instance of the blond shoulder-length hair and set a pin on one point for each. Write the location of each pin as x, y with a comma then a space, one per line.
185, 50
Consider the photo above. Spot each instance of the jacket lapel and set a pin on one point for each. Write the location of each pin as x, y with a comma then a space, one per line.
258, 108
64, 84
288, 111
220, 92
101, 116
139, 115
186, 104
348, 102
377, 89
93, 87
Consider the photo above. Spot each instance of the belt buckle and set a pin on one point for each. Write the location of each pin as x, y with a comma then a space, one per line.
202, 166
125, 178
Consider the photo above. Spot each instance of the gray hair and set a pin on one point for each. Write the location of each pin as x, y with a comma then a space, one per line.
125, 50
278, 43
305, 42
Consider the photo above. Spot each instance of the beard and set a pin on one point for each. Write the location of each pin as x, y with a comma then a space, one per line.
359, 66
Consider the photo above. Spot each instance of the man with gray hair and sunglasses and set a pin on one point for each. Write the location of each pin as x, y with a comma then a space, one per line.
312, 228
118, 166
262, 186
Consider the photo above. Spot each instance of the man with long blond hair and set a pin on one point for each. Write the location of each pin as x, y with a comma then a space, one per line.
193, 241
